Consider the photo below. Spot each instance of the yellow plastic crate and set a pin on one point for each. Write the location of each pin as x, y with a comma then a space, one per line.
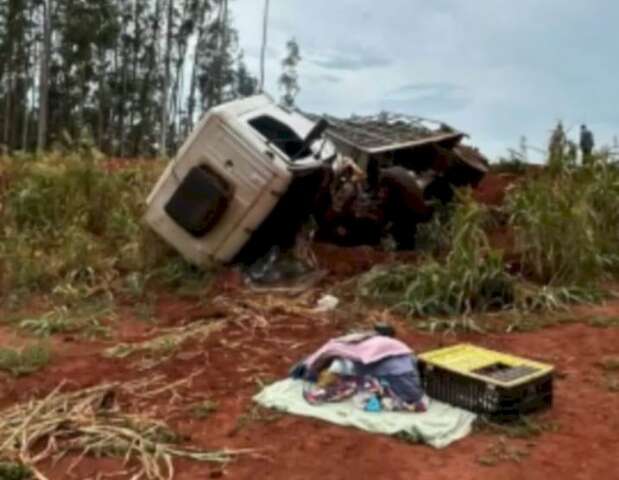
486, 381
466, 359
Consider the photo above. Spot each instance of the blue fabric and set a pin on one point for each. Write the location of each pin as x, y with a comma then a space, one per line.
373, 405
406, 386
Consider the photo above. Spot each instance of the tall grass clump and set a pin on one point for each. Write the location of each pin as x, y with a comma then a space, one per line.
72, 218
566, 225
471, 277
566, 231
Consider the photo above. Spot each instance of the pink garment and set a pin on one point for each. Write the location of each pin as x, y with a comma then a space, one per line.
370, 350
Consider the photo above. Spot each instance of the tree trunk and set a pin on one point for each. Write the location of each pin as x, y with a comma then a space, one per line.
191, 102
44, 77
163, 150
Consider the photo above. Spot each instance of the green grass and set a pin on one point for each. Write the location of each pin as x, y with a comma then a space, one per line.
565, 223
25, 361
604, 322
203, 410
14, 471
72, 224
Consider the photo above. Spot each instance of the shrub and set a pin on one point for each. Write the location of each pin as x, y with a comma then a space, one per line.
25, 361
471, 277
566, 225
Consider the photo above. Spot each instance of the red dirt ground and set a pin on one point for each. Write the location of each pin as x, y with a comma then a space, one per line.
493, 188
582, 443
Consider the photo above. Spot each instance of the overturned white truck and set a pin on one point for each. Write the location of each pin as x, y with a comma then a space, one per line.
239, 182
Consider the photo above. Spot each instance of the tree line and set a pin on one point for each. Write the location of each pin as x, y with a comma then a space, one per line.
132, 75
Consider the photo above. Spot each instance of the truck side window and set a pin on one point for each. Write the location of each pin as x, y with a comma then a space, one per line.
281, 135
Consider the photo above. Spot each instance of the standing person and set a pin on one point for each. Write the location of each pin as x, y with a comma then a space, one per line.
586, 144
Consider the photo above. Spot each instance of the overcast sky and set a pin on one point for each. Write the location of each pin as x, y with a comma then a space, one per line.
497, 69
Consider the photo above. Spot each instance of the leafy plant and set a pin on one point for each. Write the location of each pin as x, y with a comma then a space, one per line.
14, 471
566, 226
25, 361
69, 219
472, 277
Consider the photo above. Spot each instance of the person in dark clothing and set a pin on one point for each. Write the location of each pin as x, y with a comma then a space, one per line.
586, 144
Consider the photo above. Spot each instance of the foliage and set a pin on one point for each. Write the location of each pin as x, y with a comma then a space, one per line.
566, 225
25, 361
121, 70
14, 471
62, 320
289, 79
71, 225
564, 242
472, 277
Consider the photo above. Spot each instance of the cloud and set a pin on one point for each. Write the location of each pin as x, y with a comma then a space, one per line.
325, 77
427, 98
352, 61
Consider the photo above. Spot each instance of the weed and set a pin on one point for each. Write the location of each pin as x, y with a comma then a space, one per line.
14, 471
567, 225
566, 228
61, 320
471, 278
25, 361
204, 410
86, 242
166, 344
604, 322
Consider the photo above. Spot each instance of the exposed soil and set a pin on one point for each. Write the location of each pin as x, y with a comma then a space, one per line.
494, 187
581, 441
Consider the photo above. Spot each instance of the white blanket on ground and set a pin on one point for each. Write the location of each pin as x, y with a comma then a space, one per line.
441, 425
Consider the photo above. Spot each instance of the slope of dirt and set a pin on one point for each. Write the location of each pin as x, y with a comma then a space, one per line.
266, 335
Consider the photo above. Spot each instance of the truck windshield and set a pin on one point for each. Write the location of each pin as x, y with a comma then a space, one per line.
281, 135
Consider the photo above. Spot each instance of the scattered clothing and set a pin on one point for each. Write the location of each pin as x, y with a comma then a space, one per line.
362, 348
377, 372
438, 427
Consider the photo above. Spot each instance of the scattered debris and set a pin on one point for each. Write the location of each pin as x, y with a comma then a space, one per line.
326, 304
91, 421
164, 345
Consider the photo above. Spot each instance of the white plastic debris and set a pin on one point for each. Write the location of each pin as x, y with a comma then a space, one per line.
326, 304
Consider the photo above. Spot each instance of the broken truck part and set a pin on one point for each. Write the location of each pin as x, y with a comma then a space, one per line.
417, 144
240, 183
409, 162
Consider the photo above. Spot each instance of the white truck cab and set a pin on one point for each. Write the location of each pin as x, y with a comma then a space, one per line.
228, 177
